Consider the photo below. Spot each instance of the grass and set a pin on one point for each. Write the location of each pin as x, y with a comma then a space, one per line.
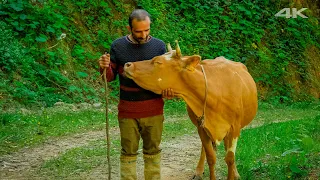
268, 113
82, 160
78, 160
19, 130
288, 149
280, 150
266, 152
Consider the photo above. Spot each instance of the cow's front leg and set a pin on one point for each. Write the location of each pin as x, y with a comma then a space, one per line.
209, 151
200, 167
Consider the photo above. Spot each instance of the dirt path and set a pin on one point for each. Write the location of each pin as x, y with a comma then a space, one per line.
21, 164
179, 157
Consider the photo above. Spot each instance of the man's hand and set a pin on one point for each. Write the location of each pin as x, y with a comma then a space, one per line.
104, 61
168, 93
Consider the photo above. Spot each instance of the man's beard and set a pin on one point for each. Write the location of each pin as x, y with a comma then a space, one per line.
140, 40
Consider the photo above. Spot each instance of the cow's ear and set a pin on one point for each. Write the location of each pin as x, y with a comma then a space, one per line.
192, 62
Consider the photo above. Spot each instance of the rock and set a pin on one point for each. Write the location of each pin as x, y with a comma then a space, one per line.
58, 104
84, 106
24, 111
97, 105
71, 107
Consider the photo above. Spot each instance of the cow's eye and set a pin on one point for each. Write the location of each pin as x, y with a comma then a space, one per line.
158, 62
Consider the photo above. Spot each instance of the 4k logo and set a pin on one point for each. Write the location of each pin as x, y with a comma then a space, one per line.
285, 12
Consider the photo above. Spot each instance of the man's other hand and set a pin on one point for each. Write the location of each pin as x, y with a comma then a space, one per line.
168, 93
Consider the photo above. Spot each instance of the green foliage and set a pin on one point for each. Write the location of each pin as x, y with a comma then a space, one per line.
41, 67
273, 48
10, 49
34, 73
23, 81
175, 106
33, 23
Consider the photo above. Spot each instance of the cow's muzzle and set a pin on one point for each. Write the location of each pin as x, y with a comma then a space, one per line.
127, 65
128, 70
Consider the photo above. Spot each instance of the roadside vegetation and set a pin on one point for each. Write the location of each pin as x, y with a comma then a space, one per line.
49, 49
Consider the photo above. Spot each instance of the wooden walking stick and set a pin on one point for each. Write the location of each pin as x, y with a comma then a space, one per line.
107, 121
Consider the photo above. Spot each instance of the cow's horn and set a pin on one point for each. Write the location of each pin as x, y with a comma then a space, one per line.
169, 47
178, 51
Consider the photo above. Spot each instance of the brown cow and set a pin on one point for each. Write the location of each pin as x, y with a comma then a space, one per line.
221, 98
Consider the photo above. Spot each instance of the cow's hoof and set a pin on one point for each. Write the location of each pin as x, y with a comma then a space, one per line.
196, 177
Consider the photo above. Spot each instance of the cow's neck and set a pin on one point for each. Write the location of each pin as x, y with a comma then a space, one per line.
193, 90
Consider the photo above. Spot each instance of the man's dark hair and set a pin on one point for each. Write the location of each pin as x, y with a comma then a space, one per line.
138, 14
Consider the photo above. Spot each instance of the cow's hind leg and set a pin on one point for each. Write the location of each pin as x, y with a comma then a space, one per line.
230, 144
209, 150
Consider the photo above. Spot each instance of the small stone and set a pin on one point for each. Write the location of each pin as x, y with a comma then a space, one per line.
71, 106
84, 106
97, 105
25, 111
59, 104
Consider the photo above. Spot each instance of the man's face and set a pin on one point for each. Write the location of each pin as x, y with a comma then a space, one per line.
140, 30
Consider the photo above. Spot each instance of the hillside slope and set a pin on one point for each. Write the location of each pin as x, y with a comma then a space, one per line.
49, 50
